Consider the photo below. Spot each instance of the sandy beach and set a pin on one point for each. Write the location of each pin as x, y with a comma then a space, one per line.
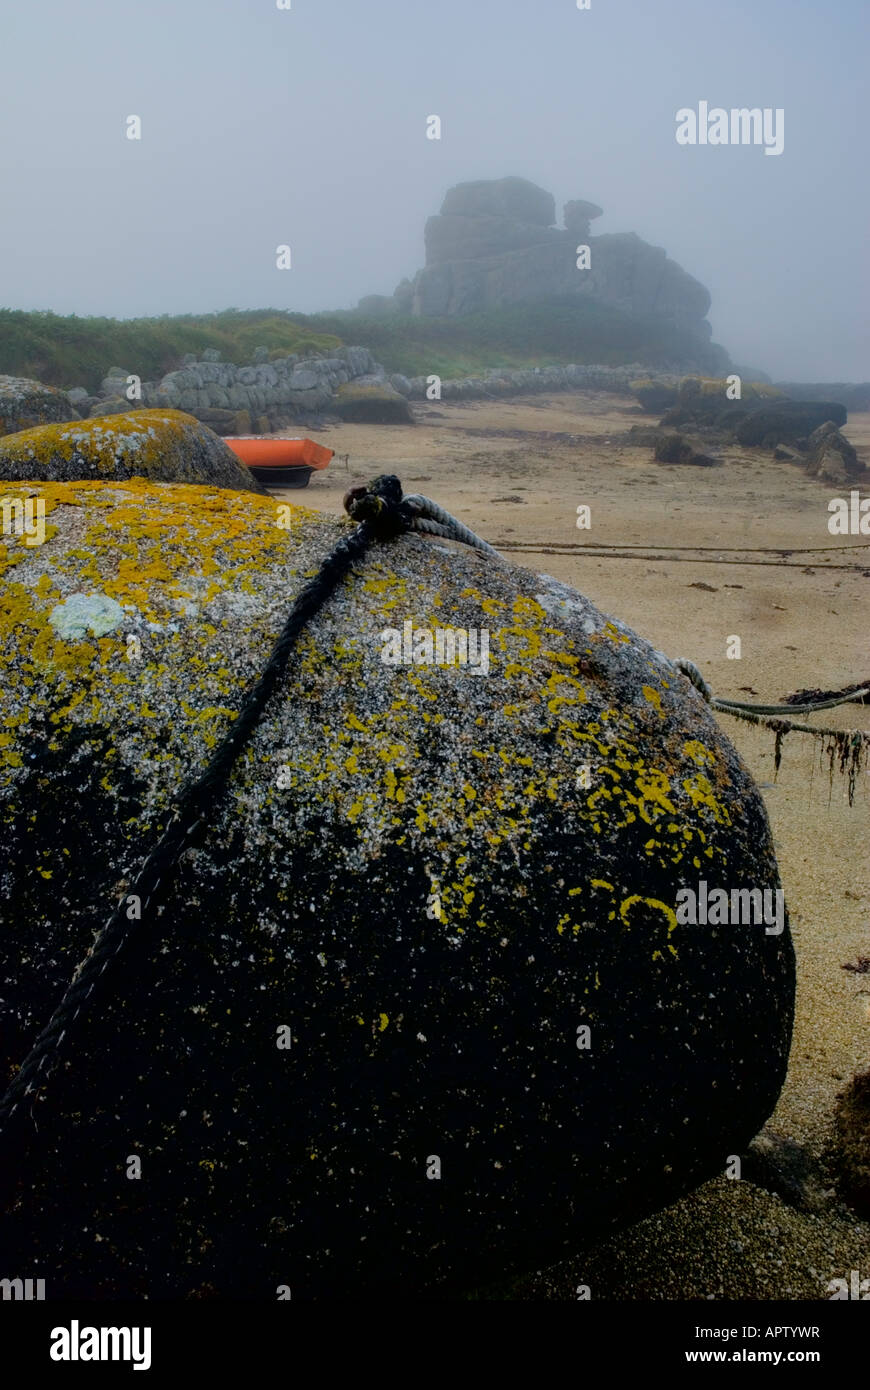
756, 561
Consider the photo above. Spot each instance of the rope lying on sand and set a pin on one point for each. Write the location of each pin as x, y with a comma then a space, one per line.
381, 513
715, 549
605, 553
849, 748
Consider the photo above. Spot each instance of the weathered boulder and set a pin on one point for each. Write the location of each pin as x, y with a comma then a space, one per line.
115, 382
112, 405
673, 448
515, 198
375, 402
161, 445
654, 396
412, 882
787, 422
359, 359
471, 238
783, 454
829, 467
223, 422
825, 440
25, 403
705, 401
577, 216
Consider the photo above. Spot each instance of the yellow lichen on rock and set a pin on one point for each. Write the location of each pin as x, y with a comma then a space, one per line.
163, 445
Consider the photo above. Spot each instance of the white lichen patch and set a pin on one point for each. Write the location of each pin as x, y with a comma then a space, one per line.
81, 614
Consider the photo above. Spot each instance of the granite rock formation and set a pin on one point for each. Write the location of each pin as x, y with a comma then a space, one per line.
493, 243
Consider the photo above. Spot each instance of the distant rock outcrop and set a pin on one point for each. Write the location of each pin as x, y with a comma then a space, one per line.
494, 243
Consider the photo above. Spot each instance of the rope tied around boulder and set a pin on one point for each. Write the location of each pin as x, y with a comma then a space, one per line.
381, 514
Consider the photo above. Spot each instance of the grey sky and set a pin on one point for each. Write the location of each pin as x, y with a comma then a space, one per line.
263, 126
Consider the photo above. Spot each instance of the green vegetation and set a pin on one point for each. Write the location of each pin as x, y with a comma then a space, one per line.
72, 351
550, 333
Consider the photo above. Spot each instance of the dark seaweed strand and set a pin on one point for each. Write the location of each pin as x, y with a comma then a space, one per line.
382, 515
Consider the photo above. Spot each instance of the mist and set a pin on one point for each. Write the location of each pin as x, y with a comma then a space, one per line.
307, 127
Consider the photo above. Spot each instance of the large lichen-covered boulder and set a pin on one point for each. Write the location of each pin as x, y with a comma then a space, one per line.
161, 445
418, 1008
25, 403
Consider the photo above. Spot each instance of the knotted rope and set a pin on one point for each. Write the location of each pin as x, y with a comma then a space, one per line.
381, 514
434, 520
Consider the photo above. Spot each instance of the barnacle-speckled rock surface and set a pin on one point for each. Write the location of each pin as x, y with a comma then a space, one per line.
160, 445
405, 872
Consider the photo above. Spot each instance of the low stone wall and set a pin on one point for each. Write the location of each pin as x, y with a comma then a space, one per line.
265, 396
271, 395
517, 381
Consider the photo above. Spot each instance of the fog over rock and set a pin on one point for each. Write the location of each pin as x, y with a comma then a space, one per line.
493, 243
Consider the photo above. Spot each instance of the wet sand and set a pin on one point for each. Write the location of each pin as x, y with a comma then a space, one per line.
516, 472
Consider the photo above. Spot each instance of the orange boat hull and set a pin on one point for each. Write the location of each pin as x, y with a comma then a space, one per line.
280, 453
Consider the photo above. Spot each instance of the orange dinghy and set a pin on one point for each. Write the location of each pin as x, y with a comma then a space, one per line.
280, 462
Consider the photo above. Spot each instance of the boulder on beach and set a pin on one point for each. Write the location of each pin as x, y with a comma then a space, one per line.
787, 422
374, 403
162, 445
673, 448
654, 396
843, 462
25, 403
706, 402
418, 1008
